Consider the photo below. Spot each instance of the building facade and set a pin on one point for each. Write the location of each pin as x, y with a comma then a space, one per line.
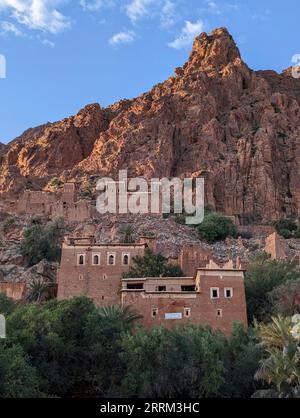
95, 270
212, 295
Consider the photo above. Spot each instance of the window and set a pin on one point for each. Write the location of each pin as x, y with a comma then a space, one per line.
188, 288
125, 258
104, 276
161, 289
96, 259
154, 312
228, 292
219, 313
187, 312
135, 286
81, 277
111, 259
214, 293
81, 259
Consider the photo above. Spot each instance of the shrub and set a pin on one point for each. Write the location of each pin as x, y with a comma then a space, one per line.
263, 276
216, 227
286, 227
42, 242
152, 265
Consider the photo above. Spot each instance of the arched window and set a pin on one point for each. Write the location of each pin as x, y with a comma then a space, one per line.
81, 259
111, 259
126, 260
96, 260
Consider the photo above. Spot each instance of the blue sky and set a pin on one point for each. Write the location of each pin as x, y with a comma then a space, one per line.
63, 54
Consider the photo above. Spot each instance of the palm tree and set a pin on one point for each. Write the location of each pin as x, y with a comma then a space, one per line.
38, 290
281, 367
122, 313
127, 233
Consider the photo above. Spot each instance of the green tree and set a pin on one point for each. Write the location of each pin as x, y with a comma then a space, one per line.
125, 314
7, 305
152, 265
280, 367
71, 345
285, 299
184, 361
42, 242
127, 234
241, 361
286, 227
216, 227
263, 276
18, 379
38, 290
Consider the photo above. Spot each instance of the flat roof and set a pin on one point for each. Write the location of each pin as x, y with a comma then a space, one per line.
157, 278
220, 269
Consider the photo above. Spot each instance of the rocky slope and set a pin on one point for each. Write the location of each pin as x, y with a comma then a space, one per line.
214, 118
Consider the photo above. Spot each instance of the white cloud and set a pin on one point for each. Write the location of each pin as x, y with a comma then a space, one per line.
138, 9
48, 43
187, 35
7, 28
96, 5
122, 38
37, 14
168, 15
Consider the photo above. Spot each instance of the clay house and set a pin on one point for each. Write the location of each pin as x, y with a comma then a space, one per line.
213, 296
95, 270
62, 204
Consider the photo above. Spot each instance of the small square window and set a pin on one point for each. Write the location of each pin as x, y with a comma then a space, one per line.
214, 293
228, 292
81, 259
187, 312
219, 313
161, 289
154, 313
111, 259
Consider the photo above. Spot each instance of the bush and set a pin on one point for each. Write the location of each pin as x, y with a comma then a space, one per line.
285, 299
42, 242
263, 276
7, 305
152, 265
216, 227
286, 227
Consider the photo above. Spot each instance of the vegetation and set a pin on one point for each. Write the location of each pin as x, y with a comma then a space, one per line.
287, 228
127, 234
263, 277
71, 348
152, 265
55, 182
280, 367
42, 242
216, 227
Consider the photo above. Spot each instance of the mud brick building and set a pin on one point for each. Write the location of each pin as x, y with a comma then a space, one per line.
62, 204
95, 270
211, 295
214, 296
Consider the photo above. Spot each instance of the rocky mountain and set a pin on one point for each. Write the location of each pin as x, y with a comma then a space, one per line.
215, 117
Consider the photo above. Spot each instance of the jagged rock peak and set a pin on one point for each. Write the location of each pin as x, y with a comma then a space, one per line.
216, 49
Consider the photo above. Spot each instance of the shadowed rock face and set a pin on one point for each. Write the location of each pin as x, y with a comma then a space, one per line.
215, 118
